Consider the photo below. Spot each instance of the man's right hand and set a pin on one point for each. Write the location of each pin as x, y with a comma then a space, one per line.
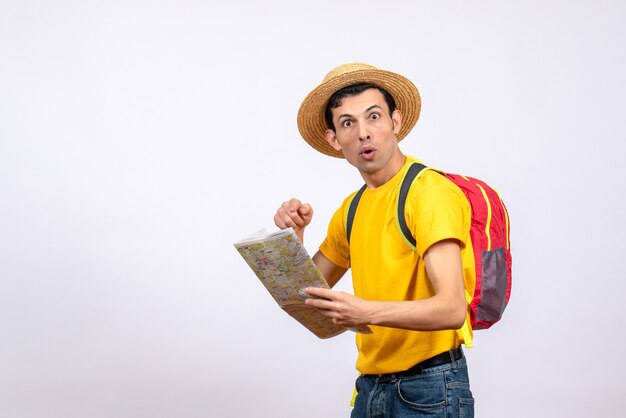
295, 214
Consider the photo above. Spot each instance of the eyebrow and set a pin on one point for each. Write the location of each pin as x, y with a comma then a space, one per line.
346, 115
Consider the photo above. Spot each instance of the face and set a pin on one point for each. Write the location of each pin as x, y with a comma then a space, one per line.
366, 135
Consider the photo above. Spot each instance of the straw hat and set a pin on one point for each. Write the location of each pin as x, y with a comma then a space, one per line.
311, 122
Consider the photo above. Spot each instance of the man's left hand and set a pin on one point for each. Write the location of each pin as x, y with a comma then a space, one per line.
343, 308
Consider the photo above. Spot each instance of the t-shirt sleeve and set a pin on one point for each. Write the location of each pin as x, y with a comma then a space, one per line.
437, 212
335, 245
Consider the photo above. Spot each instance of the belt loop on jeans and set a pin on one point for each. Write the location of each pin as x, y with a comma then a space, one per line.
453, 361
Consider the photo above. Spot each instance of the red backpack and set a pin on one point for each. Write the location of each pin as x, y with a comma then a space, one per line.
489, 233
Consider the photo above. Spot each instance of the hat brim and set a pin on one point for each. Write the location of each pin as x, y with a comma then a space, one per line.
311, 121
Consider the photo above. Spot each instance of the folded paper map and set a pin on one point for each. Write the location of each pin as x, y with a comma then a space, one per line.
285, 268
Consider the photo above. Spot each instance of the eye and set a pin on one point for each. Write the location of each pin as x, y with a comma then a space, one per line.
374, 116
346, 123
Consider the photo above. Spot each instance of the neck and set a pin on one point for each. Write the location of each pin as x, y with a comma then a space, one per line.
382, 176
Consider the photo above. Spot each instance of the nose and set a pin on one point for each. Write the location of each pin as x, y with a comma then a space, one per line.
364, 133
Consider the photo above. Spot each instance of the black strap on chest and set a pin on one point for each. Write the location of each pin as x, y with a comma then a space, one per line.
352, 210
414, 170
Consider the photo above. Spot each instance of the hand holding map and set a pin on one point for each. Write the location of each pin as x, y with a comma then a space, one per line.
285, 268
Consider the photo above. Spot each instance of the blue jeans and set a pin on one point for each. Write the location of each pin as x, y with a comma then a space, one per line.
440, 391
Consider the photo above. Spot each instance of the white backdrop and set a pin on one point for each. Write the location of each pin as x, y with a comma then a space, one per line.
140, 139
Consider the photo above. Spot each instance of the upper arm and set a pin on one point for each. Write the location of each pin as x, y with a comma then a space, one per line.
445, 270
331, 271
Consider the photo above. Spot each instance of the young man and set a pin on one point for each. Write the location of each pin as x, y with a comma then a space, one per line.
413, 299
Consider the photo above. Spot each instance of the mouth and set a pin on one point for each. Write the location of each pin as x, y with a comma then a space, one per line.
367, 152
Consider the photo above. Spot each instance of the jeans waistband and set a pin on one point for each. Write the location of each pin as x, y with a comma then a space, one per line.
440, 359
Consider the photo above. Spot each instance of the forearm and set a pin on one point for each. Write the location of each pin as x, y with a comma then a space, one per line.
439, 312
431, 314
331, 272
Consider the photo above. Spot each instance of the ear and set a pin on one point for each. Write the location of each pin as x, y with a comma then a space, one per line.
331, 138
396, 118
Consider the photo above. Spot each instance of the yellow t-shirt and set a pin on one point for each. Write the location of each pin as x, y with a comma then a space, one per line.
385, 267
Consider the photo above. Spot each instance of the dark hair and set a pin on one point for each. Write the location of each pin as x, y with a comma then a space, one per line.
353, 90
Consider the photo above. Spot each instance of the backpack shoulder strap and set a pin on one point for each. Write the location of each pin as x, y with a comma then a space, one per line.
414, 171
352, 211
